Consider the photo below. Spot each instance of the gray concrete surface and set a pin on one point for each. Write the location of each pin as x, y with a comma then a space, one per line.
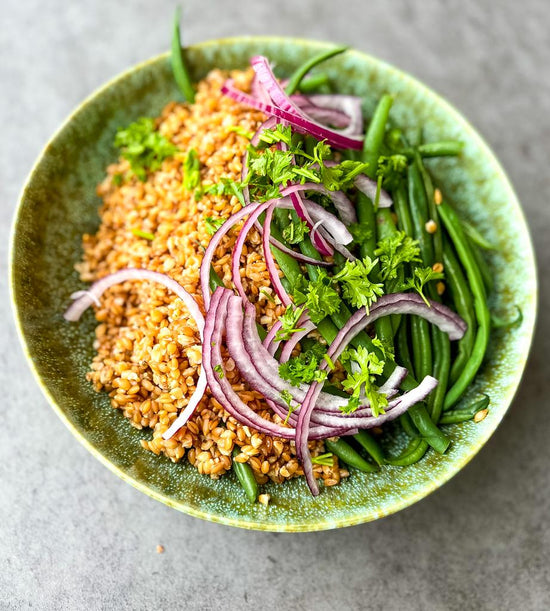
73, 536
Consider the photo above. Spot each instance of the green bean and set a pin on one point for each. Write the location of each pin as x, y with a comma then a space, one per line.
419, 214
369, 443
443, 148
422, 345
463, 301
453, 227
412, 453
408, 425
366, 218
315, 83
179, 65
375, 134
348, 455
296, 78
245, 475
403, 353
437, 235
476, 237
463, 414
441, 370
401, 206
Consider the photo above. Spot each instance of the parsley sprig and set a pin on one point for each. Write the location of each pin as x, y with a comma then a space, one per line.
304, 368
357, 287
368, 366
289, 320
144, 147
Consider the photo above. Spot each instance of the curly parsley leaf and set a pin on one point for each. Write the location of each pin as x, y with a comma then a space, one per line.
302, 369
289, 319
391, 170
357, 288
319, 296
360, 232
212, 225
421, 276
365, 367
394, 251
295, 231
191, 171
143, 146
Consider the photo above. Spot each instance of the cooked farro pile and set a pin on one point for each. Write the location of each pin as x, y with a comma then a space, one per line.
268, 320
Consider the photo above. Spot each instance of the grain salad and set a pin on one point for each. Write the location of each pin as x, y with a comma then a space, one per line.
148, 349
292, 303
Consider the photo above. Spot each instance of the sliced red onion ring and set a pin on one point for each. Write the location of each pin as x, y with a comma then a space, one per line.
260, 64
269, 342
270, 263
213, 245
341, 202
349, 105
307, 327
220, 387
304, 126
85, 299
296, 255
369, 187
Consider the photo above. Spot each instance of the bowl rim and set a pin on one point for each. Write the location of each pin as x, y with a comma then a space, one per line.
255, 524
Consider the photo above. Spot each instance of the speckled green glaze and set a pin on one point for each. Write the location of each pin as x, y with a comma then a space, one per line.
58, 204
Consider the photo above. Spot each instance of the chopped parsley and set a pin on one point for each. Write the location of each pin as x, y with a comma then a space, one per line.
357, 288
295, 231
391, 170
319, 296
323, 459
212, 225
241, 131
143, 146
225, 186
219, 370
368, 367
146, 235
287, 398
303, 369
289, 319
360, 232
191, 171
421, 276
393, 252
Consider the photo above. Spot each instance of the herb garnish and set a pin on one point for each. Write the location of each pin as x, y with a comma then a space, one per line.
369, 366
212, 225
143, 146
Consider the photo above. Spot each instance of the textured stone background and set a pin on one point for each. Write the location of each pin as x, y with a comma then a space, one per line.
73, 536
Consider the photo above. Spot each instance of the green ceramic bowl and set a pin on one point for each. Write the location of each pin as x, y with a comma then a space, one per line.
58, 204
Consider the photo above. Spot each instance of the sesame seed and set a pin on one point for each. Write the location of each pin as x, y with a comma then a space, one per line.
438, 197
440, 288
438, 267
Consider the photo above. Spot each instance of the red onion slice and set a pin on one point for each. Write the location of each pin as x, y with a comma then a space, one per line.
304, 126
85, 299
220, 387
341, 202
270, 263
213, 245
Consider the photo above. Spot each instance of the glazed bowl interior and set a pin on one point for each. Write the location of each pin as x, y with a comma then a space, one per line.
59, 204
